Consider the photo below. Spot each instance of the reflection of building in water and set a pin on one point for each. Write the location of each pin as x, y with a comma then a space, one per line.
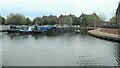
118, 54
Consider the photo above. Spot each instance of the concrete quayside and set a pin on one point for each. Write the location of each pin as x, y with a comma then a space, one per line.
105, 34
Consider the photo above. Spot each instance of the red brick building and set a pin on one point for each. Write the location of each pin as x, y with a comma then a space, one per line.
118, 14
61, 20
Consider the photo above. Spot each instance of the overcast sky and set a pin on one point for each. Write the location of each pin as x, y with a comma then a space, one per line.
35, 8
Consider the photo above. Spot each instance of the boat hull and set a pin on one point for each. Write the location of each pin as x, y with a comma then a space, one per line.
25, 31
12, 31
38, 32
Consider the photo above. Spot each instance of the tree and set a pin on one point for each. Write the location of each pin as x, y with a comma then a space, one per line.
76, 21
68, 20
2, 20
51, 19
102, 17
28, 21
93, 20
113, 20
45, 22
37, 20
16, 19
53, 22
84, 21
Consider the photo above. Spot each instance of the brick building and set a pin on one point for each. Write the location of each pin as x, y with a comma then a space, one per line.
61, 19
90, 19
118, 14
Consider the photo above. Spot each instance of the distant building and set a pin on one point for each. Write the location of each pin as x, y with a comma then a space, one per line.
118, 14
66, 19
44, 18
91, 19
53, 18
82, 16
71, 17
49, 19
61, 19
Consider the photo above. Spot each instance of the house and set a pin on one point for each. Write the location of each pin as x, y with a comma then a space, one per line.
118, 14
61, 19
66, 19
90, 19
49, 19
82, 16
53, 18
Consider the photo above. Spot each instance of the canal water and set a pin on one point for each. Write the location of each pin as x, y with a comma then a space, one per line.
63, 50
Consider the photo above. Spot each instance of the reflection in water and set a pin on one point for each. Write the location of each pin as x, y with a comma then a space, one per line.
0, 49
118, 53
69, 49
17, 36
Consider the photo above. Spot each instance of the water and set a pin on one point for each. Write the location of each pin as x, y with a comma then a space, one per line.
62, 50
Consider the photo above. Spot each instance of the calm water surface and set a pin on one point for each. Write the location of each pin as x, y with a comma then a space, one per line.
62, 50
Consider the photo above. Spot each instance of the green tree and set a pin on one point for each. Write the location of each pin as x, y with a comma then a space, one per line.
113, 20
37, 20
52, 22
76, 21
68, 20
45, 22
2, 20
84, 21
90, 20
16, 19
51, 19
93, 20
28, 21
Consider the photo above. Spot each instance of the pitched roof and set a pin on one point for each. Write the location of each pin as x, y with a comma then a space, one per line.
82, 15
118, 9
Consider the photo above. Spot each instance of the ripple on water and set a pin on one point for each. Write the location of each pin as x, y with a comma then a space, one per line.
89, 61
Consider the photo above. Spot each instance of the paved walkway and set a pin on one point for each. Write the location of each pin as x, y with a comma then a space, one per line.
104, 35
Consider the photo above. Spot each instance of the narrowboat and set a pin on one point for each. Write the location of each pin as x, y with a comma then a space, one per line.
41, 29
13, 29
26, 30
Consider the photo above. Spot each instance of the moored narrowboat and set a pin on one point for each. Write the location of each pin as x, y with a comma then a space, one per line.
26, 30
41, 29
13, 29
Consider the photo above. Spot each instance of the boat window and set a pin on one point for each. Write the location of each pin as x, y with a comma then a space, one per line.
24, 28
32, 28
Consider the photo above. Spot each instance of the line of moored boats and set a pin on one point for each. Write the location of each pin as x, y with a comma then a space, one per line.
30, 29
38, 29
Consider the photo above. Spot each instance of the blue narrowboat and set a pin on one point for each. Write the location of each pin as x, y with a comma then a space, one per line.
41, 29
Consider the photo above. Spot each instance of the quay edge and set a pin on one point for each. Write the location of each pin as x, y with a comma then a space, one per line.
103, 35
